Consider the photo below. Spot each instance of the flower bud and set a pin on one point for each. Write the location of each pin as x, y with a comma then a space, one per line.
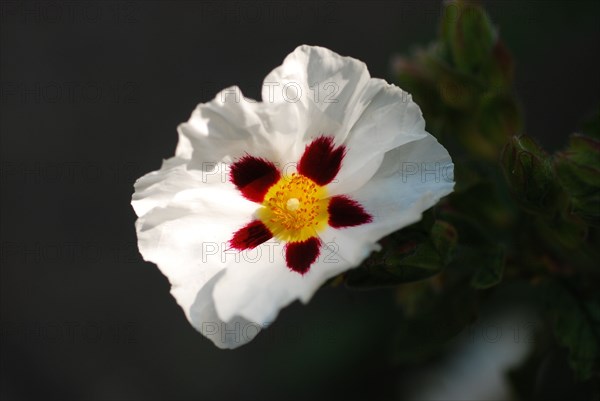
528, 170
499, 118
578, 172
468, 32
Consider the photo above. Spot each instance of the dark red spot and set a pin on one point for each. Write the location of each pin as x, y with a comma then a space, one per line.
321, 161
300, 255
254, 176
250, 236
345, 212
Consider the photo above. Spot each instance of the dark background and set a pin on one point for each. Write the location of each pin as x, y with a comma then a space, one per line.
91, 96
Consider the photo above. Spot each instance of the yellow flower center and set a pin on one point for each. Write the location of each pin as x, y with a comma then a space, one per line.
295, 208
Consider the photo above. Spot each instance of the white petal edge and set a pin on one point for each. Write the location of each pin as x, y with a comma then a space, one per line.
258, 291
324, 88
185, 220
411, 179
367, 115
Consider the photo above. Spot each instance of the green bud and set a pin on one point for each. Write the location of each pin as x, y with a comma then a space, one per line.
529, 173
413, 76
457, 92
444, 238
468, 32
499, 118
490, 268
578, 172
455, 89
503, 68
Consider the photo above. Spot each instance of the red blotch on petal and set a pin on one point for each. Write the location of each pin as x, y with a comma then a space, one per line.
250, 236
321, 161
345, 212
254, 176
301, 255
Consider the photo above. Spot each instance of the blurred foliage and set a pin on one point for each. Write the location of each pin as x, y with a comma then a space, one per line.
517, 213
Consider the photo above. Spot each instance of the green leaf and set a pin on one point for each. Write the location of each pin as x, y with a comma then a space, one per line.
466, 174
561, 232
576, 332
578, 171
584, 150
444, 238
407, 256
379, 276
489, 268
480, 213
576, 326
528, 171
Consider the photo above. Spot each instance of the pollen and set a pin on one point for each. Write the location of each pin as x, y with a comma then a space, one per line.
295, 208
292, 204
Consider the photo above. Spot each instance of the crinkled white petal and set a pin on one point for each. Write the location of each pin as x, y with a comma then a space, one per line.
390, 119
154, 189
324, 88
314, 92
229, 334
185, 219
188, 210
261, 284
411, 179
367, 115
231, 126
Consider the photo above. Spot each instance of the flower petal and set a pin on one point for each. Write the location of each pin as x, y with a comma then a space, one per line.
250, 236
258, 287
323, 87
203, 316
411, 179
345, 212
301, 255
185, 220
348, 108
184, 237
155, 190
231, 126
390, 119
321, 161
254, 176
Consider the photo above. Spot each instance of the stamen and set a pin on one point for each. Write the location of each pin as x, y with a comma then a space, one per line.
295, 208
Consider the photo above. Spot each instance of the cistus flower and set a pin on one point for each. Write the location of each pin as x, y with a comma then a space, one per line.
296, 207
265, 201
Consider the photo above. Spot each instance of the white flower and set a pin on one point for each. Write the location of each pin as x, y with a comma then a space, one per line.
265, 201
